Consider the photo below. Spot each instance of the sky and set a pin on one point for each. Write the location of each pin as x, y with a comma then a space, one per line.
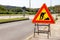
34, 3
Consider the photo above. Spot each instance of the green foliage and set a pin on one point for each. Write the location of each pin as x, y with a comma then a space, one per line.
31, 13
17, 10
20, 12
12, 19
2, 8
5, 12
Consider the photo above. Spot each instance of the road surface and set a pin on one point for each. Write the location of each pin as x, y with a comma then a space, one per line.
16, 30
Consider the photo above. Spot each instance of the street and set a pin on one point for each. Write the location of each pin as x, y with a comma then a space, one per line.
29, 20
16, 30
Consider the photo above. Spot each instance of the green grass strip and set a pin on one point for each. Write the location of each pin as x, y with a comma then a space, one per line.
12, 19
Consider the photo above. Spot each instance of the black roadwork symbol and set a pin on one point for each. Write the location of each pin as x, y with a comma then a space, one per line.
46, 18
42, 16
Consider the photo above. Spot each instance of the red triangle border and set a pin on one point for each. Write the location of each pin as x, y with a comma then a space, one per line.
43, 21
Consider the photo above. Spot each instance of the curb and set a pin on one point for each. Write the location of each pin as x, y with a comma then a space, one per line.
28, 38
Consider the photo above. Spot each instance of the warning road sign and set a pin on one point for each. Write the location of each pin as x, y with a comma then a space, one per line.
43, 16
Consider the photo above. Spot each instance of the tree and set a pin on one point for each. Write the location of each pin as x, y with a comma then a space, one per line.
16, 10
2, 8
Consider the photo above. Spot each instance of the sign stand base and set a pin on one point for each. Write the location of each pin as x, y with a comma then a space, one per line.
48, 32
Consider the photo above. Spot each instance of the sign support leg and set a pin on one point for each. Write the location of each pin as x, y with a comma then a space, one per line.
42, 31
34, 29
49, 30
38, 28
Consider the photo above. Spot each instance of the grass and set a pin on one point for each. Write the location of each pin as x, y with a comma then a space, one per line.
10, 14
12, 19
13, 14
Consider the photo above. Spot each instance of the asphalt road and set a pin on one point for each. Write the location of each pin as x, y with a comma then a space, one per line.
16, 30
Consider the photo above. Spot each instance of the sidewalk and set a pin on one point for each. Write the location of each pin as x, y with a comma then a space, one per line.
55, 33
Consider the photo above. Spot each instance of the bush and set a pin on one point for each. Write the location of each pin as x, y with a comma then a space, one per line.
10, 12
3, 12
20, 12
31, 13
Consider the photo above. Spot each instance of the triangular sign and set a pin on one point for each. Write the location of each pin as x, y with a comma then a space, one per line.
43, 16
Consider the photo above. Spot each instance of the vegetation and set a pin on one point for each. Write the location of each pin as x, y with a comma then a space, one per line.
16, 10
21, 10
12, 19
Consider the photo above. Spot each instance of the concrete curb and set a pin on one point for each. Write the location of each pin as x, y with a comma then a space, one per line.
28, 38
